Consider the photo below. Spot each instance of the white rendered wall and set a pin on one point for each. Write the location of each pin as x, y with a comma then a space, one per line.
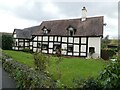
70, 39
64, 39
45, 38
14, 35
69, 53
26, 43
35, 39
83, 40
51, 38
34, 49
59, 39
30, 43
83, 48
76, 40
39, 38
76, 48
64, 47
95, 42
50, 51
51, 45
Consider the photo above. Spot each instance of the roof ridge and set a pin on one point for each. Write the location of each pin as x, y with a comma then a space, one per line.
70, 19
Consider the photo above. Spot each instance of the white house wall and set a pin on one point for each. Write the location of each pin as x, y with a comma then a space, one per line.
51, 38
14, 35
20, 43
83, 40
70, 40
51, 45
64, 39
80, 45
95, 42
45, 38
76, 40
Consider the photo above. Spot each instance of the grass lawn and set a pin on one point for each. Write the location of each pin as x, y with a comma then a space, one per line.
70, 67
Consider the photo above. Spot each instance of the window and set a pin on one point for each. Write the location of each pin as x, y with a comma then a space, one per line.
20, 44
39, 45
91, 50
71, 30
70, 48
56, 46
45, 31
71, 33
44, 46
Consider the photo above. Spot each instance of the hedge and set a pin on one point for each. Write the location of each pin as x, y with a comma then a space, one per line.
26, 77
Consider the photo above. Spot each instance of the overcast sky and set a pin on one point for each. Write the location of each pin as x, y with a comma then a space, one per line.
26, 13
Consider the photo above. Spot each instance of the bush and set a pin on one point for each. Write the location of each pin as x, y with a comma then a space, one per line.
110, 76
108, 79
87, 84
27, 77
41, 61
7, 42
107, 53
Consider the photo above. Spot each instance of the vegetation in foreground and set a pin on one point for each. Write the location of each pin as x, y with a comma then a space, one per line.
70, 68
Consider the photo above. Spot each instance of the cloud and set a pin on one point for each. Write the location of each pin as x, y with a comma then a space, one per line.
8, 22
23, 13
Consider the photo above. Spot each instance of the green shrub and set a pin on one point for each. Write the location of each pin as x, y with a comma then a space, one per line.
108, 53
7, 42
110, 76
87, 84
108, 79
27, 77
41, 61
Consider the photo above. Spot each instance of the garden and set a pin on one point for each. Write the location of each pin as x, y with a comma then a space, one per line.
37, 70
61, 71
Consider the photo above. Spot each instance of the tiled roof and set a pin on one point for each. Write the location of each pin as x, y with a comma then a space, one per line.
26, 33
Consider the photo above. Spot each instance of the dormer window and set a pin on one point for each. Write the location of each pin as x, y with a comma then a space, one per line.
45, 30
71, 31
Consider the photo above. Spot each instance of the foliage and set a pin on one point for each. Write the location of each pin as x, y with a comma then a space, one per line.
87, 84
111, 52
108, 79
70, 67
7, 42
110, 76
26, 77
58, 60
108, 53
41, 61
0, 40
105, 41
58, 84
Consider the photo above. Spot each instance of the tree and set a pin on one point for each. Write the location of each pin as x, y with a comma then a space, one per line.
105, 41
7, 42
